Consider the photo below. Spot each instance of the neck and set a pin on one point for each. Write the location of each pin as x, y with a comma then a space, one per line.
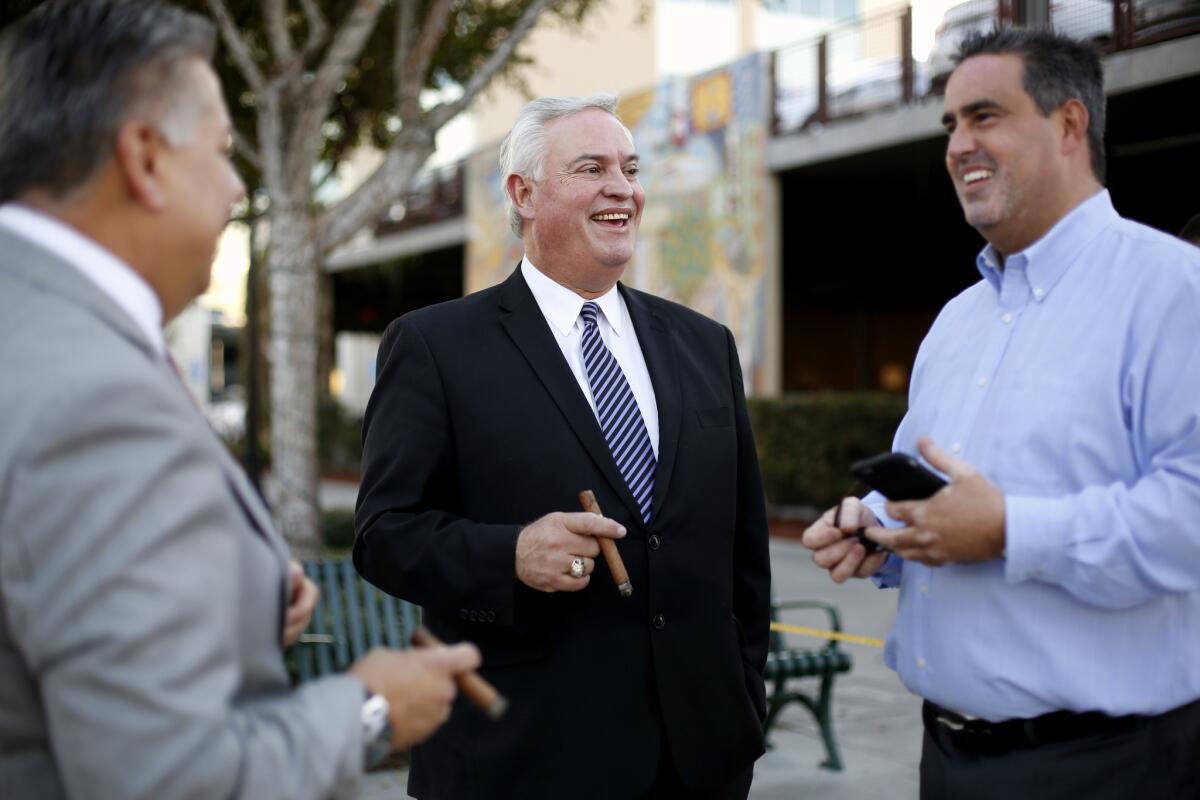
1007, 243
106, 224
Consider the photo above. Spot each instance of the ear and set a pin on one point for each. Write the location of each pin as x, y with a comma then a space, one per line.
520, 191
139, 153
1074, 125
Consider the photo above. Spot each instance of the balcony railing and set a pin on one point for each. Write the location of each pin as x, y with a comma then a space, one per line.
867, 64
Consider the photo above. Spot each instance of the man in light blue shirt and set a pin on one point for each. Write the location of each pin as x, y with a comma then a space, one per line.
1049, 605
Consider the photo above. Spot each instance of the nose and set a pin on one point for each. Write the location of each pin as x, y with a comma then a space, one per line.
618, 185
960, 143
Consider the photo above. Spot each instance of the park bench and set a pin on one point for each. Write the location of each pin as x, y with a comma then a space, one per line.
788, 664
352, 616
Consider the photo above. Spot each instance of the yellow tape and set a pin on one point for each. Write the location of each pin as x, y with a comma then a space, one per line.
869, 641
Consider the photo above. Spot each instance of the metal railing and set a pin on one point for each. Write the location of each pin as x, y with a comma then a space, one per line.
867, 64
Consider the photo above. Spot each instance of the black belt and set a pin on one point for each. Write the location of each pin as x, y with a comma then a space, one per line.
981, 736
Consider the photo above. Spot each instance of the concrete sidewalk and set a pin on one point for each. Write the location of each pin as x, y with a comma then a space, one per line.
878, 723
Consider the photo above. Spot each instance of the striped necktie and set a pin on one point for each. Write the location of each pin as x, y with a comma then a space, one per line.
620, 420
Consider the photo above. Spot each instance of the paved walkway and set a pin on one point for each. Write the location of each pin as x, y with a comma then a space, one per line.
877, 722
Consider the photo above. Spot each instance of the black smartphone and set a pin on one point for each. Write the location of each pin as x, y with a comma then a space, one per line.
897, 476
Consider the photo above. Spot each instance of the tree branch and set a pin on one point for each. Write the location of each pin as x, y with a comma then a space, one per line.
406, 29
432, 30
237, 45
318, 31
304, 144
275, 19
270, 131
442, 113
366, 204
242, 145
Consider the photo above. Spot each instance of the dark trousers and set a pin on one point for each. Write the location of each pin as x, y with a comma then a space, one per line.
1148, 758
668, 786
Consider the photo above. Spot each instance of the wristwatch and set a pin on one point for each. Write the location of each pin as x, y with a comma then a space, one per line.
377, 729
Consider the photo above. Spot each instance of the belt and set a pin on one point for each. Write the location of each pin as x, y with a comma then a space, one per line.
981, 736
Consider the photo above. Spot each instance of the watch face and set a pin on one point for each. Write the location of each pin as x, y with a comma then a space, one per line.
377, 729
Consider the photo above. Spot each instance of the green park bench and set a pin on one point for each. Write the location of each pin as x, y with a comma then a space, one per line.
352, 616
786, 664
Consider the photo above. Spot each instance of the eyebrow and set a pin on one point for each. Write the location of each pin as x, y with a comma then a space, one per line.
970, 108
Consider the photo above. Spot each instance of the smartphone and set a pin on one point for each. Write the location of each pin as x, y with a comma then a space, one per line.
897, 476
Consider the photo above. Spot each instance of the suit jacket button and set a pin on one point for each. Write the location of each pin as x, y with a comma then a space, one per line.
462, 613
654, 542
660, 622
491, 616
473, 615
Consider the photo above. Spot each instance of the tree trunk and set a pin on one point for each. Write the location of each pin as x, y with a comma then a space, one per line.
294, 270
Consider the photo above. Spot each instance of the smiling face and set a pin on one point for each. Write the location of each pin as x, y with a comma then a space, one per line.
1010, 164
581, 219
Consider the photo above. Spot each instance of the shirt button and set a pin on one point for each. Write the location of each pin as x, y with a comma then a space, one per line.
654, 542
924, 589
921, 663
981, 382
1038, 292
956, 447
1007, 318
660, 622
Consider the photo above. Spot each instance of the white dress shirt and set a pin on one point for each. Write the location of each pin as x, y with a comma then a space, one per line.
111, 275
562, 307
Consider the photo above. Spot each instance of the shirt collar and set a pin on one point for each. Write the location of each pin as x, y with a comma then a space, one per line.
110, 274
1048, 259
561, 306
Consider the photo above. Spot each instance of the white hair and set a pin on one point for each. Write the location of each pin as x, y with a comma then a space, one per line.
523, 151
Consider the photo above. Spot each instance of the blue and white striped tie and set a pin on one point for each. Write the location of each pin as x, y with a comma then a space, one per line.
620, 420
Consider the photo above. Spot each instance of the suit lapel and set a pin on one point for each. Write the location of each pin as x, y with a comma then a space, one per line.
527, 326
657, 342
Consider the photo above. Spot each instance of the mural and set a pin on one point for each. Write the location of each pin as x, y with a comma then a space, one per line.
703, 236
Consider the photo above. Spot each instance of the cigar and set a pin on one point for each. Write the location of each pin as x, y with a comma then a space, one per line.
476, 689
871, 545
608, 547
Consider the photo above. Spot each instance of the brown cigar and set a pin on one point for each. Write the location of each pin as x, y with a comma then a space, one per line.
607, 546
477, 690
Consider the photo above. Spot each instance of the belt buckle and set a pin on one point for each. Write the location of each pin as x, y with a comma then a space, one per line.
953, 725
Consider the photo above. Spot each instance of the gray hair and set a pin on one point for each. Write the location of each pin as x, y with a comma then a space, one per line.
523, 151
71, 73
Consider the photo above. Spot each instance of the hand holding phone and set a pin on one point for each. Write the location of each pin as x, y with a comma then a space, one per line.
898, 476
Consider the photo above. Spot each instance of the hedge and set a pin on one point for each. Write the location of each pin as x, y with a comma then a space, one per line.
806, 443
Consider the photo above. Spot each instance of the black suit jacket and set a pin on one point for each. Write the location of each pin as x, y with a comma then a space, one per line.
477, 427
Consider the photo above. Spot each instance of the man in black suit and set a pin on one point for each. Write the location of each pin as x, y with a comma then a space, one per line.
497, 409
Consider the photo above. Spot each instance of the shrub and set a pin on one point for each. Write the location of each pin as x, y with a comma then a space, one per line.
806, 443
337, 528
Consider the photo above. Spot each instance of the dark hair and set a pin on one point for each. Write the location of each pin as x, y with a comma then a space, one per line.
1191, 230
72, 71
1056, 69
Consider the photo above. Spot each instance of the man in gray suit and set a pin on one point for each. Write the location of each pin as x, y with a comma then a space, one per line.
144, 596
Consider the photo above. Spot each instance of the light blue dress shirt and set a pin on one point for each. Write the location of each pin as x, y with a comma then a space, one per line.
1071, 379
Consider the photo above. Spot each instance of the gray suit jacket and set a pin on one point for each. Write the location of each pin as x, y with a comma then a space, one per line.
141, 582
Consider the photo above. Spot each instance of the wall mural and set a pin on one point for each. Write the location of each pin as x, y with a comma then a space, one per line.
703, 236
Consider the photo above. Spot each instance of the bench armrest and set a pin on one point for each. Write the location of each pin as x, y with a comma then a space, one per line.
835, 619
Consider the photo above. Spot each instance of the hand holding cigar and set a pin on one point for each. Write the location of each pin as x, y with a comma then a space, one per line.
608, 547
474, 687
